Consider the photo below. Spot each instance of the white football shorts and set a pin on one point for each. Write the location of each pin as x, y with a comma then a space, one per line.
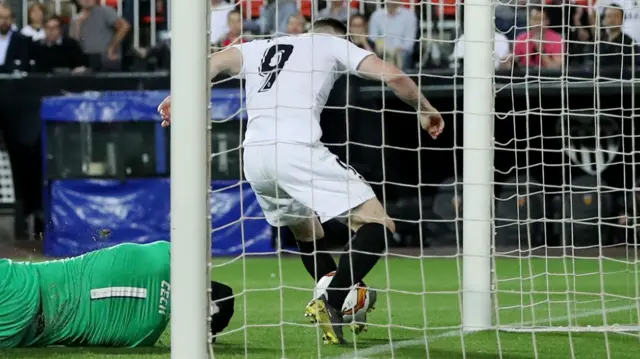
292, 181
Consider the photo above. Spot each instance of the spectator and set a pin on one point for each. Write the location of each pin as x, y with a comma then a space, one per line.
158, 57
615, 49
540, 46
336, 9
57, 52
14, 47
359, 30
297, 24
35, 28
580, 37
393, 29
100, 32
555, 13
234, 23
631, 23
283, 9
501, 52
219, 20
511, 17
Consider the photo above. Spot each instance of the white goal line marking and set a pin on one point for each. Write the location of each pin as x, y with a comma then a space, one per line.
383, 348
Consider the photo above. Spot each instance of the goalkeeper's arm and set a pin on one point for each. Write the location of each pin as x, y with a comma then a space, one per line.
374, 68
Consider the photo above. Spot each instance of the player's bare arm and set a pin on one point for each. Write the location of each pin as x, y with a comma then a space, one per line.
228, 61
374, 68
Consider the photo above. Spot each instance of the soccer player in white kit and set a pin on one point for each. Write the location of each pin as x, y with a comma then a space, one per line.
297, 181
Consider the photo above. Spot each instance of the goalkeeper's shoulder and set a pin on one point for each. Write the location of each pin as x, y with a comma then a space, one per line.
141, 248
125, 253
162, 248
10, 268
154, 245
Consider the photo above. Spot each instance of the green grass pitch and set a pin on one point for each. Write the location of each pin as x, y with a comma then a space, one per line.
272, 294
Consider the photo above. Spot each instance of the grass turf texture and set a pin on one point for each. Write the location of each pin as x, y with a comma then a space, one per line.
272, 293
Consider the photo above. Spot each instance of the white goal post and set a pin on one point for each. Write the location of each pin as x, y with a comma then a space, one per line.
190, 179
480, 284
478, 166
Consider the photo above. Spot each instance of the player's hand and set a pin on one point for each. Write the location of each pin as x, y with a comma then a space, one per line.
164, 109
431, 121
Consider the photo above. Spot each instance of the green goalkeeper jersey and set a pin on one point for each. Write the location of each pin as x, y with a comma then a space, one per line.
19, 303
113, 297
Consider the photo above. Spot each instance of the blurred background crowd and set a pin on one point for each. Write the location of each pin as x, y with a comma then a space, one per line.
134, 35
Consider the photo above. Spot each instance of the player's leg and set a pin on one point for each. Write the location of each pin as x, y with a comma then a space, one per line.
280, 209
316, 259
332, 188
372, 227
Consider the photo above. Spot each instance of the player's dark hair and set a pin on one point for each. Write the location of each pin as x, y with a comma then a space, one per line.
336, 25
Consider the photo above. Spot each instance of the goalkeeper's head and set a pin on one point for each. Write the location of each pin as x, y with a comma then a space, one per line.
222, 307
330, 26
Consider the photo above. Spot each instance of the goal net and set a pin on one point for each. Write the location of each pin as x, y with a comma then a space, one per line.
516, 232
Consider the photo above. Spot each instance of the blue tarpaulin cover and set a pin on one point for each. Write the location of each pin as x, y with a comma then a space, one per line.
131, 105
85, 215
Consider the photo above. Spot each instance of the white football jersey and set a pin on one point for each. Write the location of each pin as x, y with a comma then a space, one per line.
288, 80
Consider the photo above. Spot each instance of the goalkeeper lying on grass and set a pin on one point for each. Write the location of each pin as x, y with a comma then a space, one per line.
114, 297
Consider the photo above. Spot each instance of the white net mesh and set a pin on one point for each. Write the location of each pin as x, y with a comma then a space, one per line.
574, 173
564, 278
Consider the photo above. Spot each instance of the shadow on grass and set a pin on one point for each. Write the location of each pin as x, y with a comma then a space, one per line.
369, 342
239, 350
81, 352
419, 351
452, 354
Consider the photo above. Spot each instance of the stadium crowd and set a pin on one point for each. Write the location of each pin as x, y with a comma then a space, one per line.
97, 35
